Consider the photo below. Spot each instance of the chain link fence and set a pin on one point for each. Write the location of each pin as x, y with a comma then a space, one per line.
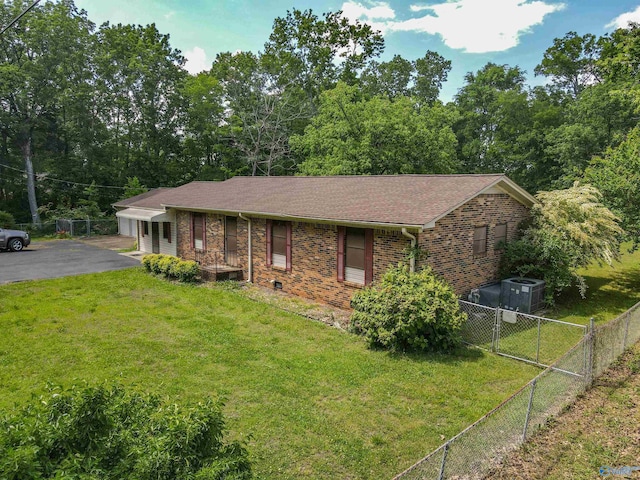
518, 335
75, 228
476, 450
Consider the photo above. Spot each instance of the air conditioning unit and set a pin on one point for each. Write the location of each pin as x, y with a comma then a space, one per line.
487, 295
525, 295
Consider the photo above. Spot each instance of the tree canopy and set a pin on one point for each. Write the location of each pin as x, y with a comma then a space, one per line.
82, 104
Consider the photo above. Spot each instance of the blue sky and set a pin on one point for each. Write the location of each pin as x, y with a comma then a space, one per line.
470, 33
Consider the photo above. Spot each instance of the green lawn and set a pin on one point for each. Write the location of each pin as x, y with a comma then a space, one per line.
612, 291
315, 401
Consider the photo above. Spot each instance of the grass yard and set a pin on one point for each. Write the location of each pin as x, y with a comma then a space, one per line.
612, 291
313, 401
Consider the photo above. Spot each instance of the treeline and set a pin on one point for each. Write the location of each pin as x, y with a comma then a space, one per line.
109, 104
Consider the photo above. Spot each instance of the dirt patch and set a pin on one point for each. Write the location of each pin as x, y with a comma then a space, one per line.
597, 435
110, 242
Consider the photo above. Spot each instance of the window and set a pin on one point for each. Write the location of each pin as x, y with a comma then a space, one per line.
166, 231
480, 240
145, 228
355, 255
500, 236
197, 231
279, 244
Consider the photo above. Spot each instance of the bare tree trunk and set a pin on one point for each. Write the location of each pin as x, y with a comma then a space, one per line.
31, 180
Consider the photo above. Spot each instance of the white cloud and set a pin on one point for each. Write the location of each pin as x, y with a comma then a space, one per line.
196, 60
622, 21
474, 26
168, 16
376, 14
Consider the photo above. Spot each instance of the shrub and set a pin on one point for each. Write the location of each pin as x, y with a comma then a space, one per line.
106, 433
171, 267
166, 264
185, 270
6, 220
408, 311
149, 261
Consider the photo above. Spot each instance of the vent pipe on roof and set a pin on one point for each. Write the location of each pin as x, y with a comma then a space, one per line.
250, 259
412, 260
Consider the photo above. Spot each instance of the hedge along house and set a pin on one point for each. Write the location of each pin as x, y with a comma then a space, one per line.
144, 218
326, 237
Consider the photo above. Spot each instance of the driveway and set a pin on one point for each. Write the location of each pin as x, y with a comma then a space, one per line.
59, 258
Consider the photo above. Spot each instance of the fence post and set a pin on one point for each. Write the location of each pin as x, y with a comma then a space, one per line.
626, 330
495, 347
88, 227
538, 345
444, 460
592, 346
526, 420
71, 227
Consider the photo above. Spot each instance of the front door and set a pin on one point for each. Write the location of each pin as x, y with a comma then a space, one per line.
231, 241
155, 237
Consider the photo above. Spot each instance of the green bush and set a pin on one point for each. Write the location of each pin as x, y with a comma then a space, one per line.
106, 433
166, 264
185, 271
408, 311
171, 267
6, 220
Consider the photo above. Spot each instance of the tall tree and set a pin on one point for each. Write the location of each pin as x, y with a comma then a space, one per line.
571, 62
617, 175
420, 79
39, 58
141, 86
314, 53
262, 112
353, 135
494, 114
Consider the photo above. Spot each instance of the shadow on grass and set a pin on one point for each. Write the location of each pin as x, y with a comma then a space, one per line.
608, 295
462, 354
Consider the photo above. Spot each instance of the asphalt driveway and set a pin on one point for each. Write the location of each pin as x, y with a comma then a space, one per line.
59, 258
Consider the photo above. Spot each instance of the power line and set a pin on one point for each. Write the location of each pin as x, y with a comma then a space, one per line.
45, 177
19, 16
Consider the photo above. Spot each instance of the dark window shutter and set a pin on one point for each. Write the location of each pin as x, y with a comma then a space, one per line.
340, 259
204, 231
288, 246
368, 256
141, 228
193, 231
268, 242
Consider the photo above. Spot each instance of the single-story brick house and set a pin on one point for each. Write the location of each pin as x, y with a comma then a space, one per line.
145, 218
323, 238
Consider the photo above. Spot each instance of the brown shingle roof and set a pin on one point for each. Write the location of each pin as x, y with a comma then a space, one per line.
414, 200
151, 199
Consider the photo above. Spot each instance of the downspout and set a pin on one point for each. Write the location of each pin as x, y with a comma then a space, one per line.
412, 259
249, 254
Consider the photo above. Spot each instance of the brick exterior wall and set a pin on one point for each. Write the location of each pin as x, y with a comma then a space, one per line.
314, 249
450, 243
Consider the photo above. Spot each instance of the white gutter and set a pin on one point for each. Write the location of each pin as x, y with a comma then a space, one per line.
249, 254
412, 259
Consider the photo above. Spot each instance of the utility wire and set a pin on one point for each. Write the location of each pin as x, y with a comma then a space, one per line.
45, 177
19, 16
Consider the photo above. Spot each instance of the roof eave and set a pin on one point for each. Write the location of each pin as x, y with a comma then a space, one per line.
296, 218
